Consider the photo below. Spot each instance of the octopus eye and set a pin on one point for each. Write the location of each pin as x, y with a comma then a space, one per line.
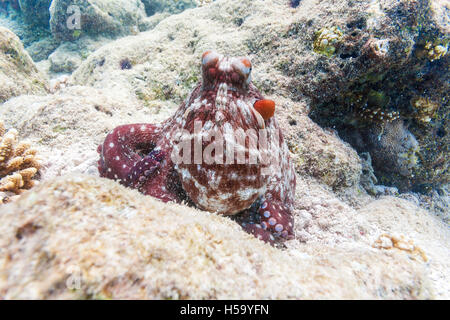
244, 67
247, 64
265, 107
210, 59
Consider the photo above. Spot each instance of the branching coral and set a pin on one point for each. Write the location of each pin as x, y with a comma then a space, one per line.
18, 163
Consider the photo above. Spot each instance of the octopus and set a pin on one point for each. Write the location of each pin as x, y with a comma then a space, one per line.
222, 151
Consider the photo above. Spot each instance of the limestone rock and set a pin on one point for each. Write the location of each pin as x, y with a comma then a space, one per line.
317, 152
18, 73
87, 237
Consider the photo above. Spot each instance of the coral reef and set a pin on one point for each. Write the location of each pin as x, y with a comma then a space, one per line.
396, 66
257, 177
18, 163
317, 152
396, 150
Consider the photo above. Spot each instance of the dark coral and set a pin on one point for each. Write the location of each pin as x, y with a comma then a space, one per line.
373, 79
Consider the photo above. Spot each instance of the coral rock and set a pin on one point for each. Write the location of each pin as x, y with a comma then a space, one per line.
18, 73
87, 237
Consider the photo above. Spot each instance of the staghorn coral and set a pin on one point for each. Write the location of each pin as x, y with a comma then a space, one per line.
18, 163
396, 149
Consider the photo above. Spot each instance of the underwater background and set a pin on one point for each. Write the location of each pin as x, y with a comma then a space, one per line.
362, 96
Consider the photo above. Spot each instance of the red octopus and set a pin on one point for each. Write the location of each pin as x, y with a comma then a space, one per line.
222, 151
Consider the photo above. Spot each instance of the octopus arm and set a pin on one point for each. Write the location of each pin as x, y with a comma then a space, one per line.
124, 147
145, 169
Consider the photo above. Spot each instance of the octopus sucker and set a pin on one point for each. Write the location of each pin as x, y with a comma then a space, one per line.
209, 153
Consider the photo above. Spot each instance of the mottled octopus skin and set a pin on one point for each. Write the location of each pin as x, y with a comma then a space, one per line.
260, 195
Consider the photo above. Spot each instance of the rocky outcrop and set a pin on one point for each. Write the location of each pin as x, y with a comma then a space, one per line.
71, 19
347, 61
70, 54
67, 126
18, 73
87, 237
80, 236
317, 152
